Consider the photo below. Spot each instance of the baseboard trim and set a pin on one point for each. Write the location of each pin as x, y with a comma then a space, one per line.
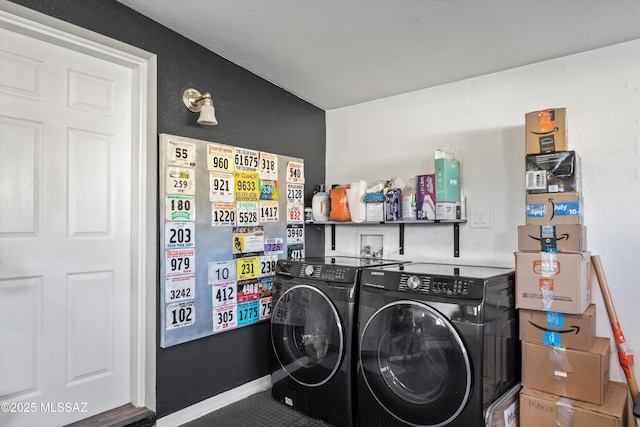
214, 403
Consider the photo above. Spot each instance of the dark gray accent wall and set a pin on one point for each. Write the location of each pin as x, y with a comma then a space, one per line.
252, 113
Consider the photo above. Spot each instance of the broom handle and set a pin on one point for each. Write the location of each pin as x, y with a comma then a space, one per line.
626, 360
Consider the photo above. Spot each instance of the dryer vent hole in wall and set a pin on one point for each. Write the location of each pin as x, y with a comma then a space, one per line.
371, 245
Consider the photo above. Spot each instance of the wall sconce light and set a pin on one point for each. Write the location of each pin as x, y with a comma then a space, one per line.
201, 103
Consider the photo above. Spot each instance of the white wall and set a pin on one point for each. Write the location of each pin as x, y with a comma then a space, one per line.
484, 118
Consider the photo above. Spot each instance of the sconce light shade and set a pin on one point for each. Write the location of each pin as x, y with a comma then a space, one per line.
207, 114
200, 103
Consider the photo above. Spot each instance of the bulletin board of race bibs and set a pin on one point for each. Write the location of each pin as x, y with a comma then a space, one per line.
227, 215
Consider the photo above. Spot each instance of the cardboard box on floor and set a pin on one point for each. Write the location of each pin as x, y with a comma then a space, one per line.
546, 131
575, 331
538, 408
580, 375
553, 238
550, 281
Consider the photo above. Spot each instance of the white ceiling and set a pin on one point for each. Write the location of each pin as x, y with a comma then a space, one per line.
335, 53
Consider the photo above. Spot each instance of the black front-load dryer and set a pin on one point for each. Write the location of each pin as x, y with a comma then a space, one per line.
437, 344
312, 333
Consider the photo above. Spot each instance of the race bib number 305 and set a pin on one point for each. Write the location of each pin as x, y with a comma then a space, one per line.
225, 318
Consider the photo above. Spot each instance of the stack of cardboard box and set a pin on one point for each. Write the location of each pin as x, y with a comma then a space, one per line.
565, 367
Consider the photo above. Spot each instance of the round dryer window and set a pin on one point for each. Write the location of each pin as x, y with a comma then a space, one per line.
307, 335
415, 363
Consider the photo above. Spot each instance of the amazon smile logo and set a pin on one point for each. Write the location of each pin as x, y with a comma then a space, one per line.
572, 329
564, 236
555, 129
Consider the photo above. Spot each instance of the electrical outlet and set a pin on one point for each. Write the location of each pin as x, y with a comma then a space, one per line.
480, 218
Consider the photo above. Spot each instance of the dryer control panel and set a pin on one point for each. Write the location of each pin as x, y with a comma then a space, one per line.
433, 285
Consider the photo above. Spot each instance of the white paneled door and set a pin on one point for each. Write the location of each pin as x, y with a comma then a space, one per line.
65, 233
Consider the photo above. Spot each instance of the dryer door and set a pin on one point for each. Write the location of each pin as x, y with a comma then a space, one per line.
415, 363
307, 335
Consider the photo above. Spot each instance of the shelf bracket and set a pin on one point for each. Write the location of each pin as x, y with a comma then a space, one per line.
333, 237
456, 240
401, 238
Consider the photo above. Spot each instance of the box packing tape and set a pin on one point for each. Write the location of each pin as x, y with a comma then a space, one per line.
564, 412
560, 367
548, 269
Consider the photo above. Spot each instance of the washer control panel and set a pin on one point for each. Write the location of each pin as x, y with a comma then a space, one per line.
315, 271
329, 273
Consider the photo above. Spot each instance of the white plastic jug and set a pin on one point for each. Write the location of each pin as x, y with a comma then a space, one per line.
320, 206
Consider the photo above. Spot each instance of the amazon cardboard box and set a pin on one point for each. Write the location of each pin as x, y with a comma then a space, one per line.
554, 208
555, 172
575, 331
577, 374
552, 238
538, 408
546, 131
551, 281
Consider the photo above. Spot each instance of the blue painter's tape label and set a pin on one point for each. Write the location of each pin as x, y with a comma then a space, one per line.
535, 210
552, 339
566, 209
555, 320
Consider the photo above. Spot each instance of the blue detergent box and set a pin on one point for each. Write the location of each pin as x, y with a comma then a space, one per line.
573, 331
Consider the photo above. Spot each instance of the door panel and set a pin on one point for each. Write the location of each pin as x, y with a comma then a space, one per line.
307, 335
65, 231
415, 363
